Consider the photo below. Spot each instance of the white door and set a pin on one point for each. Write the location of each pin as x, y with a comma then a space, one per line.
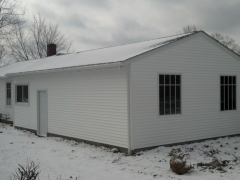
42, 113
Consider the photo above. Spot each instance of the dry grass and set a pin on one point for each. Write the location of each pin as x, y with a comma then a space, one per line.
180, 167
178, 163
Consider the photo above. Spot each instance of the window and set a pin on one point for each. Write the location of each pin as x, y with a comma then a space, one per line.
22, 93
228, 92
8, 94
169, 94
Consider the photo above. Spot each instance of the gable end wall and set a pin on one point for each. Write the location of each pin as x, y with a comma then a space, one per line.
200, 64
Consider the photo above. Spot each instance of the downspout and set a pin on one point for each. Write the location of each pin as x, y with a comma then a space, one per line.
129, 110
13, 100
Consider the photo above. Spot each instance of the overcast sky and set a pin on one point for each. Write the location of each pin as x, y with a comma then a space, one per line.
100, 23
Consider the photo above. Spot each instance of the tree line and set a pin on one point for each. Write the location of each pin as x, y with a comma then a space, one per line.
25, 39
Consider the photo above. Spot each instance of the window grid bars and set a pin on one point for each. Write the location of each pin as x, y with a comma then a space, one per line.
170, 85
164, 95
226, 85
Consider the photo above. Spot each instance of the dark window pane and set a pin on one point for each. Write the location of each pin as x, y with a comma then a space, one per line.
178, 79
226, 79
222, 79
8, 94
222, 98
167, 79
230, 79
230, 96
161, 100
9, 97
234, 97
234, 79
19, 93
226, 98
25, 93
173, 99
172, 79
167, 100
161, 79
178, 99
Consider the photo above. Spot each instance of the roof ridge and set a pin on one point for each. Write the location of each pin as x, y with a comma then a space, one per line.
181, 35
136, 42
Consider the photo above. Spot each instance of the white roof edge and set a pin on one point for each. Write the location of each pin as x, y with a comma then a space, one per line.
65, 69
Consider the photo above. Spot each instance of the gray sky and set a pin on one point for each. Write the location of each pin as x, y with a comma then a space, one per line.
100, 23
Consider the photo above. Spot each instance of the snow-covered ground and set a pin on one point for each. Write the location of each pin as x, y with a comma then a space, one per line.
59, 157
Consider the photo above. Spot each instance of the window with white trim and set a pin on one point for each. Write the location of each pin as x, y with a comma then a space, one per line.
8, 94
22, 93
228, 93
169, 94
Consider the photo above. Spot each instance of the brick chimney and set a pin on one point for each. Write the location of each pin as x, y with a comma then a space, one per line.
51, 49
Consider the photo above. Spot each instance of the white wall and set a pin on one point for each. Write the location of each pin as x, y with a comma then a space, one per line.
200, 63
3, 108
90, 105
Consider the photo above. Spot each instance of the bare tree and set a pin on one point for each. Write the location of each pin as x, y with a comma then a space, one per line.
190, 29
10, 14
18, 43
227, 41
2, 52
29, 40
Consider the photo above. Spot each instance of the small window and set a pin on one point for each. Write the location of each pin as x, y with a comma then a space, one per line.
169, 94
8, 94
22, 93
228, 93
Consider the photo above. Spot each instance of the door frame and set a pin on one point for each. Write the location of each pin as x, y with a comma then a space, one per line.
38, 112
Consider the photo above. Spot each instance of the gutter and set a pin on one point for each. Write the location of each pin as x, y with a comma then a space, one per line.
74, 68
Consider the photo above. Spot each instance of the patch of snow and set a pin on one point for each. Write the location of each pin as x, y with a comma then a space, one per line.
65, 158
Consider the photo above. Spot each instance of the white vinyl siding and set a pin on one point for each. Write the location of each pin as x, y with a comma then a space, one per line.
89, 105
4, 108
200, 64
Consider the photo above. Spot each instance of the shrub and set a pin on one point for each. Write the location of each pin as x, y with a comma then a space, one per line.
28, 172
180, 167
178, 163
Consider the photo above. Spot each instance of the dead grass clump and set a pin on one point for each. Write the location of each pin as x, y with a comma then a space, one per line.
215, 164
180, 167
178, 163
210, 152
